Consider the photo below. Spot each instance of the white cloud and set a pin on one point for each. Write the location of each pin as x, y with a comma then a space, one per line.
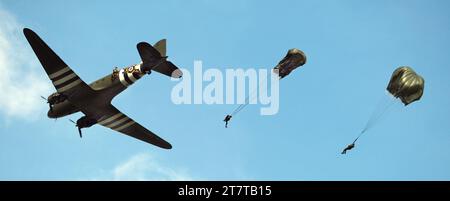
21, 81
144, 166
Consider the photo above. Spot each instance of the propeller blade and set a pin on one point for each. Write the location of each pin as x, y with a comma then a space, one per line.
79, 131
72, 121
49, 104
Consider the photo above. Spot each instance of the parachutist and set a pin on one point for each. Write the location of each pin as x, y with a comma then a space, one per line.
226, 120
349, 147
406, 85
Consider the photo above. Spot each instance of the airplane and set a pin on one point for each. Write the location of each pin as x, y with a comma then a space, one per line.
94, 100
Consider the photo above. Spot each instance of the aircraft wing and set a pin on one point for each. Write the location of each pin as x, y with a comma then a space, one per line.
63, 78
114, 119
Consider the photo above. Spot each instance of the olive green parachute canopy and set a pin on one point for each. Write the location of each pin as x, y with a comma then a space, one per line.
293, 59
406, 85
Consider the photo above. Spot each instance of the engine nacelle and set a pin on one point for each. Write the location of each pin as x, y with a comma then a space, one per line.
56, 98
85, 122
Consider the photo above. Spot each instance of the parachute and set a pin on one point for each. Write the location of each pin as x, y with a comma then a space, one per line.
293, 59
406, 85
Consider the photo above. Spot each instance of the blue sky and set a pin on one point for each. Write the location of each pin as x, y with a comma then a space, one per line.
352, 49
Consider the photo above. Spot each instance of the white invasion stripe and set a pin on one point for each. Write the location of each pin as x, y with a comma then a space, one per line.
58, 73
132, 78
107, 120
118, 122
125, 126
122, 78
64, 79
69, 86
139, 66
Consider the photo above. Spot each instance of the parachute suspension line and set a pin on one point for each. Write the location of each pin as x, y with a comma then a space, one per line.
380, 108
376, 116
384, 105
250, 97
375, 119
241, 106
247, 101
382, 115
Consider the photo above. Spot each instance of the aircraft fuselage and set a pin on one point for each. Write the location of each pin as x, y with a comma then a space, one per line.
107, 87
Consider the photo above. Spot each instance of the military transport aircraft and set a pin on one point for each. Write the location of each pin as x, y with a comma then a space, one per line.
94, 100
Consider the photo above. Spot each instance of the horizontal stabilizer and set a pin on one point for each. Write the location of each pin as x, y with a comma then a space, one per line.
149, 55
169, 69
153, 60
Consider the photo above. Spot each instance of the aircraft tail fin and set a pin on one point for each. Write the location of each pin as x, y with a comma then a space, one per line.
161, 47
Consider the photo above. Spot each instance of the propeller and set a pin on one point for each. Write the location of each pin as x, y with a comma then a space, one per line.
79, 129
49, 104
